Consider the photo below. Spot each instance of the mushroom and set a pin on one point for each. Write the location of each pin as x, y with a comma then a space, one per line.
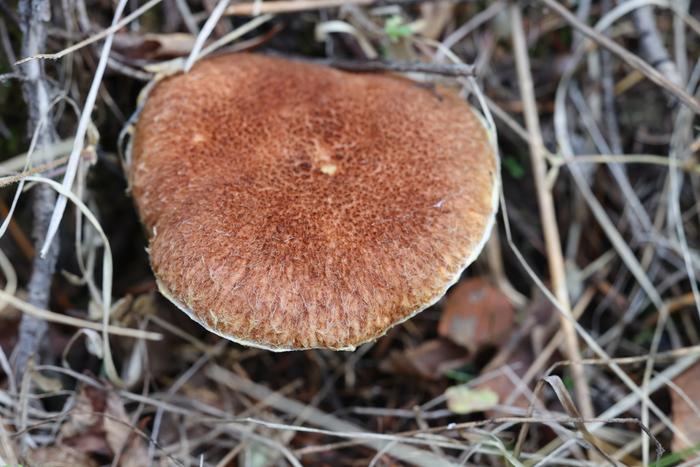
293, 206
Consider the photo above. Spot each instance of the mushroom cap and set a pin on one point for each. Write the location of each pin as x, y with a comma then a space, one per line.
293, 206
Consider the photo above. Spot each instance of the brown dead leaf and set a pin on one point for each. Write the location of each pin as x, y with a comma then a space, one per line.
685, 416
475, 314
120, 435
60, 456
204, 395
116, 423
517, 354
85, 414
81, 430
98, 424
505, 386
429, 360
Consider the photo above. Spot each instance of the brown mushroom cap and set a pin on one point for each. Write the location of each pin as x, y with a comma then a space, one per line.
293, 206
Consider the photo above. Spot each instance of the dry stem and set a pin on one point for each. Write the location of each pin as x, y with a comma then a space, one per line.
35, 14
546, 206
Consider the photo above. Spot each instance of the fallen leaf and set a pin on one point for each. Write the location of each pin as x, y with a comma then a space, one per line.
463, 400
685, 416
505, 371
429, 360
204, 395
504, 383
475, 314
89, 402
82, 430
60, 456
116, 423
98, 424
120, 435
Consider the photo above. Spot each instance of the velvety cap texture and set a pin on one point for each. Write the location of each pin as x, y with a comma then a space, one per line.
293, 206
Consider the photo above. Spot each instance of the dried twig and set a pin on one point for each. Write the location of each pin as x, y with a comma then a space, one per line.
452, 69
546, 205
92, 39
46, 315
80, 135
652, 46
35, 14
295, 6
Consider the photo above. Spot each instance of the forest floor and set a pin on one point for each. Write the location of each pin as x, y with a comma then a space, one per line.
583, 310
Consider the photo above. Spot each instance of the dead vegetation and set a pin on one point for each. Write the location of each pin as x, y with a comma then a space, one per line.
574, 340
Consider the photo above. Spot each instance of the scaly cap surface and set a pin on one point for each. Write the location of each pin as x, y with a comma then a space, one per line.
294, 206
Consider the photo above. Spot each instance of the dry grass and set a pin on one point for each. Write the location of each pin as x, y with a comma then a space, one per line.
600, 237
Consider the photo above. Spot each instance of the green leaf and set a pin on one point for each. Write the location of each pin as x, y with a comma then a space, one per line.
568, 382
396, 28
514, 167
460, 376
676, 457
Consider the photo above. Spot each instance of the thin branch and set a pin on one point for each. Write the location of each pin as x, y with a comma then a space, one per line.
80, 135
652, 46
546, 205
295, 6
35, 15
452, 69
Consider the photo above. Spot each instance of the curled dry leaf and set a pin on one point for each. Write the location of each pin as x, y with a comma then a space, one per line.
686, 410
475, 314
567, 402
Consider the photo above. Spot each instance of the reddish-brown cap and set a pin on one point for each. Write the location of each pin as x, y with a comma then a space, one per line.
293, 206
